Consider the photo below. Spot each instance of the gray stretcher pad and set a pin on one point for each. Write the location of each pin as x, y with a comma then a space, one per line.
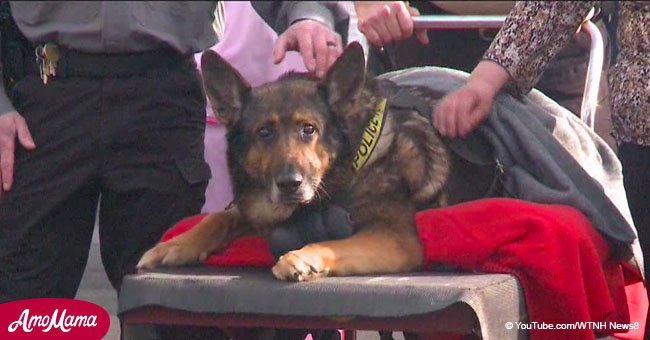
495, 298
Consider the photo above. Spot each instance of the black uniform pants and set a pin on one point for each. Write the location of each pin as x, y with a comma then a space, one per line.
131, 145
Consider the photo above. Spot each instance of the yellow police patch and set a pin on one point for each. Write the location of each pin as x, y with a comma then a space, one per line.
370, 136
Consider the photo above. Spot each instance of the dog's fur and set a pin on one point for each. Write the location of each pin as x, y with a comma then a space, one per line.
291, 143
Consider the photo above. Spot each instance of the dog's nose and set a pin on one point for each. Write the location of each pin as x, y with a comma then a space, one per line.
288, 181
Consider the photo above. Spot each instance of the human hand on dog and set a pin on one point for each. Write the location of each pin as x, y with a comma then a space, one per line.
318, 45
461, 111
385, 22
12, 126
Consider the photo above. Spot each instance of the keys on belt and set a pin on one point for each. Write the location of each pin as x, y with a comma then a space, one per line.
47, 58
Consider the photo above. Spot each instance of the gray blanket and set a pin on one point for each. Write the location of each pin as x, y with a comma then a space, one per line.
548, 156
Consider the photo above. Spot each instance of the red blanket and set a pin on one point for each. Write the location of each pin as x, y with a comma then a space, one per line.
563, 264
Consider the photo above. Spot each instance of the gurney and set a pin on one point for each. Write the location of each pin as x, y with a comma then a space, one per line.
479, 304
250, 297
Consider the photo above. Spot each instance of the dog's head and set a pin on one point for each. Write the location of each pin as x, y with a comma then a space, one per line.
286, 135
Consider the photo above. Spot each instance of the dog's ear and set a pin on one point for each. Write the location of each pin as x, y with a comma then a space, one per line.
344, 80
224, 87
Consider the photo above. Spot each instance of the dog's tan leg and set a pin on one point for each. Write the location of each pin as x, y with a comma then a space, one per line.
212, 234
371, 251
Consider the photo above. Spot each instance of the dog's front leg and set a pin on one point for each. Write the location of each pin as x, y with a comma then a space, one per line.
212, 234
371, 251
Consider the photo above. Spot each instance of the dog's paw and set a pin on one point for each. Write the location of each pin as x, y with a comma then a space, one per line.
170, 254
299, 265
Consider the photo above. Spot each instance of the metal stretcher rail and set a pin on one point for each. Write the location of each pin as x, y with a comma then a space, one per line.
596, 52
445, 22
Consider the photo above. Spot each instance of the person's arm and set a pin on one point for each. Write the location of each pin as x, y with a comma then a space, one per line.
461, 111
533, 33
5, 103
386, 22
280, 15
324, 12
12, 127
317, 29
5, 18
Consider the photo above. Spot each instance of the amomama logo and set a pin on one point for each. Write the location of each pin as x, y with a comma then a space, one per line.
50, 318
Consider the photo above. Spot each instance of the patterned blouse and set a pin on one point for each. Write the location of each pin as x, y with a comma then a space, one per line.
535, 31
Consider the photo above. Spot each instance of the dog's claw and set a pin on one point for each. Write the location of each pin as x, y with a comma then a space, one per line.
295, 266
170, 254
151, 259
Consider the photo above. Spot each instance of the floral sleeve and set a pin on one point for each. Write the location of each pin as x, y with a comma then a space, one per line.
532, 34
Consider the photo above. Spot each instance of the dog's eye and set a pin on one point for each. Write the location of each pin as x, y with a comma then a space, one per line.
308, 129
265, 133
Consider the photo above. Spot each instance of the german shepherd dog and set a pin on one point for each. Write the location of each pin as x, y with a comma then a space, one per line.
300, 141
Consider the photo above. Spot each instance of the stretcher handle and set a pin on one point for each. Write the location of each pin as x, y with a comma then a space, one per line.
594, 72
444, 22
596, 52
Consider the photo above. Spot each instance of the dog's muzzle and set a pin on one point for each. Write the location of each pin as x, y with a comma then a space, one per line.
290, 187
289, 180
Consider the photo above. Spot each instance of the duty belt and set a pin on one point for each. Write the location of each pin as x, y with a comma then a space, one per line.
52, 61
